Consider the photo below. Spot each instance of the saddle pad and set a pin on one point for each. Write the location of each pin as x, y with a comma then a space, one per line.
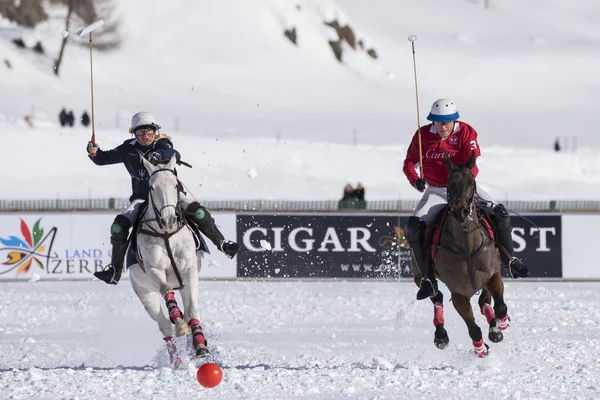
132, 254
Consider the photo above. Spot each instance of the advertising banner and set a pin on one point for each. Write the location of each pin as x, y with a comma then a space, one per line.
73, 245
53, 245
538, 242
318, 245
367, 245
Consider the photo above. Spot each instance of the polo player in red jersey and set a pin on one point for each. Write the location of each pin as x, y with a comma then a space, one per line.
457, 140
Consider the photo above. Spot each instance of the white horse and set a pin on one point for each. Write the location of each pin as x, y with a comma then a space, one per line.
167, 252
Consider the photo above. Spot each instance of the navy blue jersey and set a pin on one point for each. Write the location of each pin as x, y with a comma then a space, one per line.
130, 153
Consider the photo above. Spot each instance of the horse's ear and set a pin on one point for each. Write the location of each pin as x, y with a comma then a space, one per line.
148, 165
447, 162
172, 162
471, 163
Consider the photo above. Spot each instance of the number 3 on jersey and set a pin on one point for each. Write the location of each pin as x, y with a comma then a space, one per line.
473, 144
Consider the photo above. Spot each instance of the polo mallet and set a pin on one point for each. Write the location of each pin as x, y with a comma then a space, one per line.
88, 30
412, 39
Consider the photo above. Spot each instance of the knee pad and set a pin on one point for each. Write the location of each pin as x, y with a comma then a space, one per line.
502, 217
199, 213
415, 229
119, 230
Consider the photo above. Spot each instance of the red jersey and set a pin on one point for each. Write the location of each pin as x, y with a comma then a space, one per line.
458, 146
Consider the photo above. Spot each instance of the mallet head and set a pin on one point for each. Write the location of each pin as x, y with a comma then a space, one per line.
90, 28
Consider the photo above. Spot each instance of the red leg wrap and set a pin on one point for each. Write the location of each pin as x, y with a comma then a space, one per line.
172, 350
172, 307
197, 333
502, 323
438, 314
480, 348
488, 311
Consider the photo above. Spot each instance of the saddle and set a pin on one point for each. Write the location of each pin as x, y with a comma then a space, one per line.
132, 252
434, 233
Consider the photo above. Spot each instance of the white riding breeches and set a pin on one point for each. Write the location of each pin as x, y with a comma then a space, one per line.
132, 211
435, 198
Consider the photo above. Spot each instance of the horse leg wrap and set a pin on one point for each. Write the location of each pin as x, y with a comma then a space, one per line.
438, 314
172, 350
197, 333
502, 323
481, 349
488, 312
172, 307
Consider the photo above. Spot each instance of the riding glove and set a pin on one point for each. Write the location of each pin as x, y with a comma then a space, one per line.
92, 148
420, 184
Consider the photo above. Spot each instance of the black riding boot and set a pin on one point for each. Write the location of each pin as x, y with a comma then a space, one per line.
206, 223
415, 236
514, 265
119, 232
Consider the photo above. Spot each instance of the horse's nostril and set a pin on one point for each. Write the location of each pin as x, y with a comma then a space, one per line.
163, 220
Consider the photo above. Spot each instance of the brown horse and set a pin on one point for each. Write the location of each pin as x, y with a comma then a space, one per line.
466, 260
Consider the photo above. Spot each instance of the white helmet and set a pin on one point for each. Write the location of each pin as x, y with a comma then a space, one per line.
141, 119
443, 110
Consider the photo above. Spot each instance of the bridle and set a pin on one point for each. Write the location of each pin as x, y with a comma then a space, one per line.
470, 201
160, 232
158, 212
467, 252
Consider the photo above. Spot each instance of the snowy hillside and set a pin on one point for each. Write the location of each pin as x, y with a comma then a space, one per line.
523, 72
217, 74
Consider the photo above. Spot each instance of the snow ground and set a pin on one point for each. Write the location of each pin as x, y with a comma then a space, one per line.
309, 340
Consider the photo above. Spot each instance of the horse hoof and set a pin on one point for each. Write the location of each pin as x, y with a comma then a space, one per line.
441, 345
495, 335
202, 351
441, 338
181, 328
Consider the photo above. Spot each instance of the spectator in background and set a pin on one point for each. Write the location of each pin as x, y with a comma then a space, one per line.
85, 119
353, 198
62, 117
359, 192
557, 145
70, 118
348, 192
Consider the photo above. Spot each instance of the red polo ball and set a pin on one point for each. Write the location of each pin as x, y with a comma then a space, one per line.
209, 375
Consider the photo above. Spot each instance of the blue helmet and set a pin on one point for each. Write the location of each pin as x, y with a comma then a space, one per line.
443, 110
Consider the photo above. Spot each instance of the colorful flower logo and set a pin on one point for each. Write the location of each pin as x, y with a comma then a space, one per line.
32, 248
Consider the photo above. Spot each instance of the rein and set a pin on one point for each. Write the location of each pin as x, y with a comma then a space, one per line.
467, 254
160, 233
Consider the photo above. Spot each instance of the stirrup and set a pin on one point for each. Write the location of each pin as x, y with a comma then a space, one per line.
521, 272
110, 274
426, 289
